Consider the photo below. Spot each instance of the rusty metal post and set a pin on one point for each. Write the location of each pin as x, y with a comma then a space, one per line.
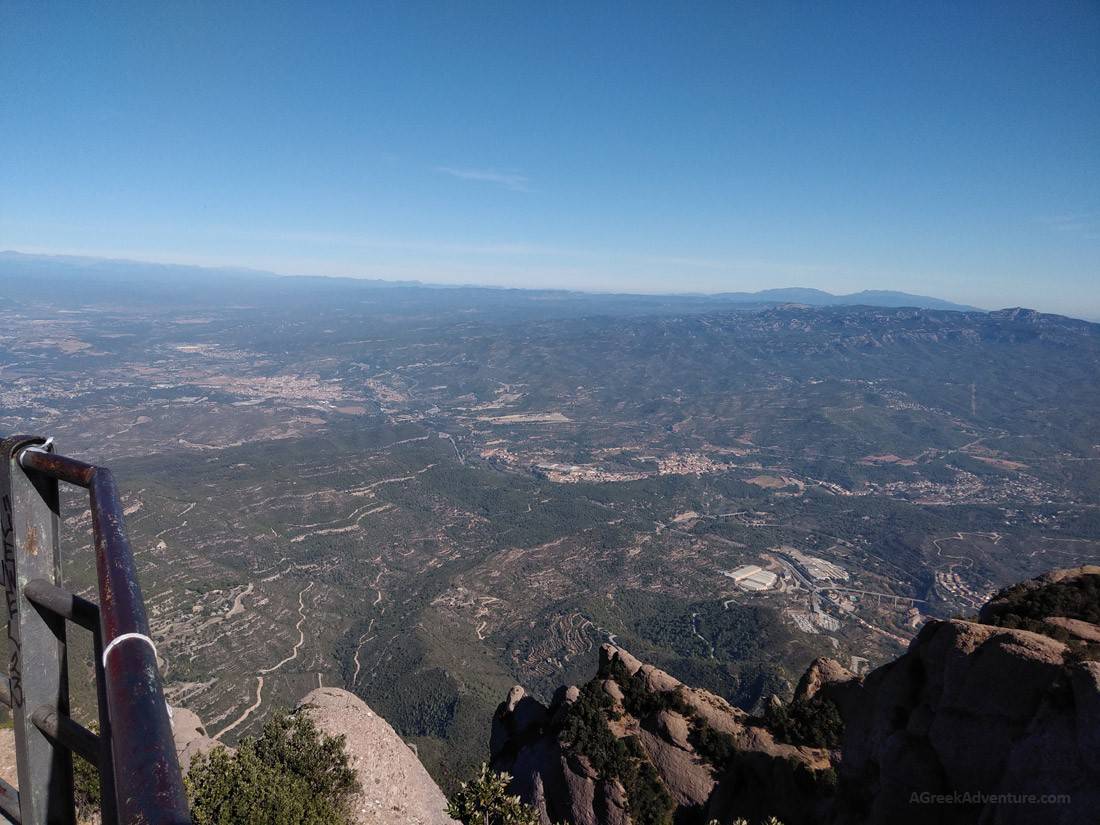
139, 772
147, 785
36, 638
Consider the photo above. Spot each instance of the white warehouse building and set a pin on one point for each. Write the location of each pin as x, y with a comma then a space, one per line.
752, 577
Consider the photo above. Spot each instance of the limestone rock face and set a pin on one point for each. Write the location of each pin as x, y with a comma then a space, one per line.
396, 789
1086, 695
688, 777
190, 737
1086, 631
549, 772
518, 715
610, 653
822, 673
674, 728
978, 710
966, 726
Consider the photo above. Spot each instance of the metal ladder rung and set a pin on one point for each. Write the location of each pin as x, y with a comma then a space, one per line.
59, 728
62, 603
9, 802
139, 773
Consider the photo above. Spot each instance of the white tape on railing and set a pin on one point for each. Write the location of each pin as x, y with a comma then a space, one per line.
45, 447
124, 637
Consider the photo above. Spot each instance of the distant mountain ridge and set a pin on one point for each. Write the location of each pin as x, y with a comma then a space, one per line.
868, 297
111, 271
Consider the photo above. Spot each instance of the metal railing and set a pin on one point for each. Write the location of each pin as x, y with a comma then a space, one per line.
140, 778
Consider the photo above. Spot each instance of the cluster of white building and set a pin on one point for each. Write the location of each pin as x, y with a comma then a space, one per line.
752, 577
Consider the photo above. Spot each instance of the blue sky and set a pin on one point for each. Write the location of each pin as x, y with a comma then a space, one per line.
948, 149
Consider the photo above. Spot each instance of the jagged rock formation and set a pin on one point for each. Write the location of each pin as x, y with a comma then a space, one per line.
705, 757
994, 721
979, 709
973, 709
975, 723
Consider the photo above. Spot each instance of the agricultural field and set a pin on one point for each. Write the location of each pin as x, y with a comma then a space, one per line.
427, 495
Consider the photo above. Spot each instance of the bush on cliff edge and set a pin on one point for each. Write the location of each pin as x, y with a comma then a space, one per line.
292, 774
485, 800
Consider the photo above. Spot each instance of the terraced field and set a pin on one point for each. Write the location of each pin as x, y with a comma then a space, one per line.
426, 496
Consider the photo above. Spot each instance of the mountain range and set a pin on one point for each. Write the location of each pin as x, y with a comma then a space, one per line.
101, 277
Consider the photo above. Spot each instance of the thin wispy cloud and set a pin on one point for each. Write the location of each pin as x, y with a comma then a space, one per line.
1084, 224
509, 180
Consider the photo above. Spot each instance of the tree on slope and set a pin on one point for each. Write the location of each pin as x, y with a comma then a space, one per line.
484, 800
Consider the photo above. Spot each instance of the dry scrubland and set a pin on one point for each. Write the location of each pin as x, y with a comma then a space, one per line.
425, 496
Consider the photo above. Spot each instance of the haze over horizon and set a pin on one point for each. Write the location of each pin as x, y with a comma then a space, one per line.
587, 413
934, 150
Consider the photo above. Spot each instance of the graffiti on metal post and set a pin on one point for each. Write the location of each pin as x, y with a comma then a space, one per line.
11, 594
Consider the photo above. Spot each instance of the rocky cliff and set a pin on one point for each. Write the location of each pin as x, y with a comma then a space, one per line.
394, 788
993, 721
637, 746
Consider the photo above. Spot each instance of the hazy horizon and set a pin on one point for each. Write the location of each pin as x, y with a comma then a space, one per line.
941, 150
670, 292
98, 261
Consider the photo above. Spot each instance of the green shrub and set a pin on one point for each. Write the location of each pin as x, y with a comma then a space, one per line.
586, 731
292, 774
484, 800
638, 700
716, 746
1024, 608
815, 723
86, 791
